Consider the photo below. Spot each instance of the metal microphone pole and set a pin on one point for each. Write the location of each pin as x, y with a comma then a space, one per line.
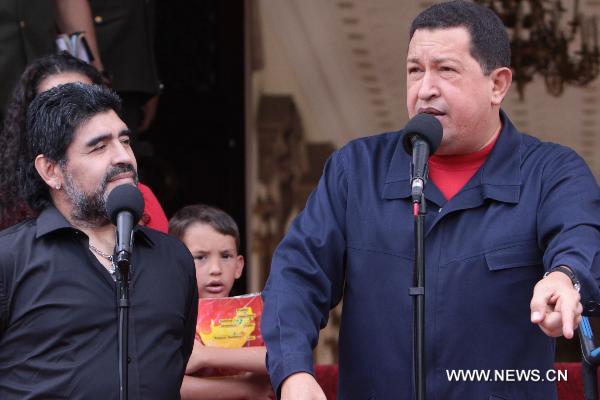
423, 134
418, 293
124, 206
123, 294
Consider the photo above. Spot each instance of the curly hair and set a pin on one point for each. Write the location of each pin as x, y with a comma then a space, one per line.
52, 119
13, 209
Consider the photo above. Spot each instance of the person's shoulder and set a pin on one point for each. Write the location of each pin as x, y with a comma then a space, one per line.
533, 147
162, 239
19, 231
377, 141
552, 160
163, 242
12, 238
379, 146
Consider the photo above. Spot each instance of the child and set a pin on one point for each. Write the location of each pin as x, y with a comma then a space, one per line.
213, 238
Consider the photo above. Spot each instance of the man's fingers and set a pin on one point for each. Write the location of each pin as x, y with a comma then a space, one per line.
539, 304
568, 318
571, 315
551, 333
562, 321
555, 306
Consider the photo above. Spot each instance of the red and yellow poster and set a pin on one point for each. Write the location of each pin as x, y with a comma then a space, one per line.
230, 322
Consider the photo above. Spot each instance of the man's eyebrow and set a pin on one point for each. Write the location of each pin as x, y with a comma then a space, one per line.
440, 60
436, 60
125, 132
100, 138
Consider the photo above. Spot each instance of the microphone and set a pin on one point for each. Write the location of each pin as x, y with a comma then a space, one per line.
124, 206
422, 137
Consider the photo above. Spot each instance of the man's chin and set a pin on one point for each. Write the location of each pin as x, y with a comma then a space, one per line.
123, 181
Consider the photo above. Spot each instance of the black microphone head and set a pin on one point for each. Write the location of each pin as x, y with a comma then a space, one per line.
125, 198
426, 127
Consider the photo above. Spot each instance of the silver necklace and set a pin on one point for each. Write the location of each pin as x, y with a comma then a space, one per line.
102, 254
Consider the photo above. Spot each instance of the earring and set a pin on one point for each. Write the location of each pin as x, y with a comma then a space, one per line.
57, 187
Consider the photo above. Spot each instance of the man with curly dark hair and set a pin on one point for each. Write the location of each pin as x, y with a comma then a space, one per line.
58, 294
42, 75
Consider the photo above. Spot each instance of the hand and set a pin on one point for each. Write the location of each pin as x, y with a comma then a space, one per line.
555, 305
148, 113
196, 360
259, 386
301, 386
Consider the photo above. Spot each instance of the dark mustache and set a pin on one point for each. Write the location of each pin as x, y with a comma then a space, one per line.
119, 169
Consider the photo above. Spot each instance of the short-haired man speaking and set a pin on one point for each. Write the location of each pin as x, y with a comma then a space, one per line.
512, 232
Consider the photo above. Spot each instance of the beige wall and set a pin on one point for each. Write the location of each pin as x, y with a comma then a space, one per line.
342, 62
344, 66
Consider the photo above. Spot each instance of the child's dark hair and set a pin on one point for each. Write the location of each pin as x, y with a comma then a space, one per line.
218, 219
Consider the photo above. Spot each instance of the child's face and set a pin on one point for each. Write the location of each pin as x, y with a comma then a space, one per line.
217, 263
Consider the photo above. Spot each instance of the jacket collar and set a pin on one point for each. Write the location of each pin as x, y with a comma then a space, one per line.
499, 178
51, 220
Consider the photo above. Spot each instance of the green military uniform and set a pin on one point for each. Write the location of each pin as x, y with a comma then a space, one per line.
125, 35
27, 32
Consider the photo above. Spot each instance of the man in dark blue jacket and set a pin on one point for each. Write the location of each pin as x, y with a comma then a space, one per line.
508, 249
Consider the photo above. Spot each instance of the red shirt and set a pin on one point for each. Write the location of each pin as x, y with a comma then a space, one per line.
451, 172
154, 217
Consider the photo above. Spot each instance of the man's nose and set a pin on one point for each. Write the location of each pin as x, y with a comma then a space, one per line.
123, 154
429, 86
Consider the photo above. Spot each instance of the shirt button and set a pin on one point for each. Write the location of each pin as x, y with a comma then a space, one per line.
22, 24
98, 19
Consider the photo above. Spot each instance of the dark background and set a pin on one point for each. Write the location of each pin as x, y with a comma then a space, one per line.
198, 133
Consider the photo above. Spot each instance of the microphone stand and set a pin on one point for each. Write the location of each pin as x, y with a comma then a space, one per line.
590, 359
418, 293
423, 134
123, 265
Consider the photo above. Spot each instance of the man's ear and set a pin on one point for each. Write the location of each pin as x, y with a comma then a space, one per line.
501, 78
239, 266
49, 171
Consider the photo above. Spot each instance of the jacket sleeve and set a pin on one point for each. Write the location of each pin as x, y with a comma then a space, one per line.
189, 333
3, 299
306, 277
569, 222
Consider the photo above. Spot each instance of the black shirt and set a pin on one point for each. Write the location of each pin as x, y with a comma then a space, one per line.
58, 315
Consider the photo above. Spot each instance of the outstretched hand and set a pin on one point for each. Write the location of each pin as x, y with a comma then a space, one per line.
555, 305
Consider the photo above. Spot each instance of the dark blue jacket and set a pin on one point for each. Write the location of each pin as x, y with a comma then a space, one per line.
530, 207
